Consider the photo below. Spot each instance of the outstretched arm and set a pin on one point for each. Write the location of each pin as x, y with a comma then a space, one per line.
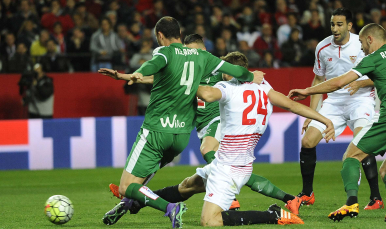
325, 87
280, 100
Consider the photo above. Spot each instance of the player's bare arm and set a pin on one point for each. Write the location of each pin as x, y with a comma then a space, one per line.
120, 76
280, 100
353, 87
145, 80
209, 94
325, 87
314, 100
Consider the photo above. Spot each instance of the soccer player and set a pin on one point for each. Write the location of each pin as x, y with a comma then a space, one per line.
371, 140
170, 116
352, 105
194, 184
245, 109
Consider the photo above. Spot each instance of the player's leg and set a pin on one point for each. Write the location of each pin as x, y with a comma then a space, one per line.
310, 140
308, 162
218, 200
208, 148
263, 186
369, 141
361, 113
144, 160
210, 136
382, 172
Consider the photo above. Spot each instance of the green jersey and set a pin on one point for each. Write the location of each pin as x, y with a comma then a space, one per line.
206, 112
374, 66
177, 74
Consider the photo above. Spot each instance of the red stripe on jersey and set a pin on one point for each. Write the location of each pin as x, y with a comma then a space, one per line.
321, 50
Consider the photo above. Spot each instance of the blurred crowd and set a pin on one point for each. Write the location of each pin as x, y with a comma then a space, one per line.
84, 35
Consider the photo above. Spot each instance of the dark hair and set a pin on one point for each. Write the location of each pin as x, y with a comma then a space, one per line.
193, 38
107, 19
236, 58
169, 27
343, 12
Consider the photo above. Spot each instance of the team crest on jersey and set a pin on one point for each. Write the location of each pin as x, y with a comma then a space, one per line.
207, 80
353, 58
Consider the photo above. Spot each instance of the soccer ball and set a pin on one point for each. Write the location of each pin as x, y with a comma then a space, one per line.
59, 209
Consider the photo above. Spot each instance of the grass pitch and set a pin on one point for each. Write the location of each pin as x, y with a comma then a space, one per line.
23, 194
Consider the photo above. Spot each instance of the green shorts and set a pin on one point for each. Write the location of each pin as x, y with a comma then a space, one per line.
152, 150
213, 129
372, 138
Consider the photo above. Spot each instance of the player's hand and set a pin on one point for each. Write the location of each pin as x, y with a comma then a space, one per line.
353, 87
298, 94
305, 125
329, 131
258, 77
109, 72
135, 78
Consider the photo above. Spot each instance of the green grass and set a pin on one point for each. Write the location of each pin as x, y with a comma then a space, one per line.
23, 194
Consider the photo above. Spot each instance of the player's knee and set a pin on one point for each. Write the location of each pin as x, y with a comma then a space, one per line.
308, 142
184, 184
382, 172
204, 149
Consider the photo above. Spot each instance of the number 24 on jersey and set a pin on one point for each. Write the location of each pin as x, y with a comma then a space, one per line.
260, 109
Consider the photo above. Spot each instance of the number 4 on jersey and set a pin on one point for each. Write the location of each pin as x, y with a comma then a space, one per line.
188, 82
260, 109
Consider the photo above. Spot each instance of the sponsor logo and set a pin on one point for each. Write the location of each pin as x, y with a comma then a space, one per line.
175, 124
222, 85
329, 59
353, 58
367, 114
210, 194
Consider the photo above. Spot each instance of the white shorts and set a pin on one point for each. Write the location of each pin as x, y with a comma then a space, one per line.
354, 114
223, 182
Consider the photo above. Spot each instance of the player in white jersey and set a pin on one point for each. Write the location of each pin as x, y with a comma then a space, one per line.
244, 110
351, 106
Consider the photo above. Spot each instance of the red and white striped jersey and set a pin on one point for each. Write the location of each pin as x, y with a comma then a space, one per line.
244, 112
332, 60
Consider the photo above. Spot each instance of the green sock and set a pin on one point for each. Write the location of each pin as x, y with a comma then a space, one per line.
209, 156
264, 186
350, 176
145, 196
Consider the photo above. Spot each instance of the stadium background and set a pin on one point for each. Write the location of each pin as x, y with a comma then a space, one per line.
95, 118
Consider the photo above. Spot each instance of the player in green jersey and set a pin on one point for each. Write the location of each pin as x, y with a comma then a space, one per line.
371, 140
170, 116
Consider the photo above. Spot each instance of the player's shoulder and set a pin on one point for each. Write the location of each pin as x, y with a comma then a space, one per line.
159, 49
324, 43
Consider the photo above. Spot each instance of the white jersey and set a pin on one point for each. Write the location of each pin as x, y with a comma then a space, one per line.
332, 60
244, 113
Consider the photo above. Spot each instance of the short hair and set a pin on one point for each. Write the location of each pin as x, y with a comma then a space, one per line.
169, 27
106, 19
193, 38
375, 30
236, 58
343, 12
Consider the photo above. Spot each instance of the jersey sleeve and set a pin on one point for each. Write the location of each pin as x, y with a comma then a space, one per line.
225, 91
159, 61
364, 67
265, 86
319, 65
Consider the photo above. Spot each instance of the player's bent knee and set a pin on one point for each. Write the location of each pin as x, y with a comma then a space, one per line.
210, 222
308, 143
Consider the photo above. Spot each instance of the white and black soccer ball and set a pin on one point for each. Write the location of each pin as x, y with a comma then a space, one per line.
59, 209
